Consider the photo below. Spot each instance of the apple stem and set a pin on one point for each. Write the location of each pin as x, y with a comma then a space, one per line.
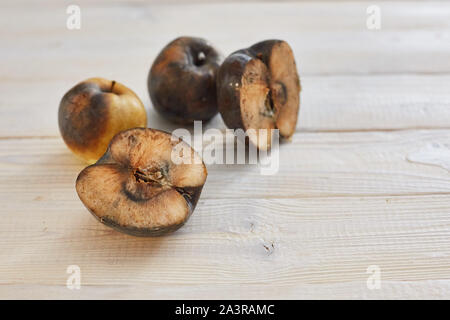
112, 85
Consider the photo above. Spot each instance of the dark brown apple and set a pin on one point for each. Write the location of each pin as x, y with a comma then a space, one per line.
258, 88
182, 80
93, 111
138, 188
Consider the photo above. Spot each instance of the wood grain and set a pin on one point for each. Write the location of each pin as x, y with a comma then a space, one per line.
353, 78
326, 164
365, 180
352, 200
328, 103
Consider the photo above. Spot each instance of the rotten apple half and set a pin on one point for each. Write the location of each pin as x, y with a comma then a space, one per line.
258, 88
138, 187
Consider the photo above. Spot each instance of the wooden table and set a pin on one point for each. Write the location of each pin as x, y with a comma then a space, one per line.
364, 183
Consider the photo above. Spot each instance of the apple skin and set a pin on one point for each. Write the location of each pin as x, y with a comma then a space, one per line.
228, 84
182, 81
93, 112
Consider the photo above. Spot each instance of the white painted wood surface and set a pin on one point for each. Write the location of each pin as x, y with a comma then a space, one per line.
365, 181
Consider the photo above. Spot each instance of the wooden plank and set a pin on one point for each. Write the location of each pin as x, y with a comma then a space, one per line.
312, 165
272, 248
40, 59
328, 38
329, 103
426, 289
326, 164
351, 200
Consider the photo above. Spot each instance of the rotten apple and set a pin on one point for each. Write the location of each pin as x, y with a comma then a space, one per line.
146, 184
93, 111
182, 80
258, 88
